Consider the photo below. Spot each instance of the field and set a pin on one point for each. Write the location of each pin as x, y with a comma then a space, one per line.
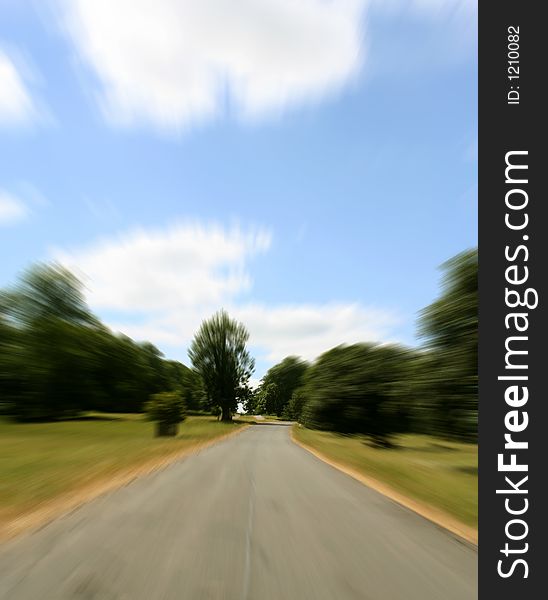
433, 471
42, 462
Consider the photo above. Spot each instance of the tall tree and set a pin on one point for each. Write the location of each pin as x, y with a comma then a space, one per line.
218, 352
450, 328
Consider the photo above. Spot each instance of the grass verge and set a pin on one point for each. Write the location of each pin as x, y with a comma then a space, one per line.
432, 476
47, 468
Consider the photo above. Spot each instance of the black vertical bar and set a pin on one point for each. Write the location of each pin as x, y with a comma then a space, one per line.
511, 119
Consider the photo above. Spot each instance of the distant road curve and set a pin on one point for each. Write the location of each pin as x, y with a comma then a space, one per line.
252, 518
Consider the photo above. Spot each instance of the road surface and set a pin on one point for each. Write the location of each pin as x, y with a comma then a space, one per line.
252, 518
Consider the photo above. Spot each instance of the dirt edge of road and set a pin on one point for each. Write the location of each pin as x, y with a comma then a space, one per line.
70, 501
436, 516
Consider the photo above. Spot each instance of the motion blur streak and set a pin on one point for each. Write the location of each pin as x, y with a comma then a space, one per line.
57, 360
183, 533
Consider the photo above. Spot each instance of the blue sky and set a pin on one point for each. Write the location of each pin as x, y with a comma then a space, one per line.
307, 166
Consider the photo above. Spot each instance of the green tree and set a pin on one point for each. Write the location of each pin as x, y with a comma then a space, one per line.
359, 389
188, 382
57, 359
46, 292
218, 353
124, 378
293, 411
250, 403
272, 399
450, 329
48, 369
259, 404
287, 377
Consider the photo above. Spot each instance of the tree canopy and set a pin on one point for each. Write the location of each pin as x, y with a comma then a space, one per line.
381, 390
279, 383
359, 389
219, 354
57, 359
450, 329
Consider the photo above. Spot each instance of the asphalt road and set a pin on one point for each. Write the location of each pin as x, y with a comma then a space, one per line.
253, 518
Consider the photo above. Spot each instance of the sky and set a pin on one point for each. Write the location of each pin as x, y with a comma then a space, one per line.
306, 165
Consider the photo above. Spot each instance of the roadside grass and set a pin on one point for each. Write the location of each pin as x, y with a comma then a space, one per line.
244, 418
42, 461
439, 473
257, 418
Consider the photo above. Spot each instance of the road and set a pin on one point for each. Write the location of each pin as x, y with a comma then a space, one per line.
254, 517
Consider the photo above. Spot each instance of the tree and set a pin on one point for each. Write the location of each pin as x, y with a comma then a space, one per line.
188, 382
123, 377
256, 404
287, 376
272, 399
294, 409
46, 292
49, 369
218, 353
359, 389
57, 359
245, 396
450, 328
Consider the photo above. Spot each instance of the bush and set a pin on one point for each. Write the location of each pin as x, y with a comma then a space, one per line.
167, 408
362, 388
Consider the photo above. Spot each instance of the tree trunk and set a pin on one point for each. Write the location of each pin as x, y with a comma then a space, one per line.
226, 414
166, 429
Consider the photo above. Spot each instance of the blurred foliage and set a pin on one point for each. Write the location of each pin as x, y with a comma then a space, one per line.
293, 410
166, 407
383, 390
218, 353
271, 398
57, 359
277, 386
359, 389
449, 373
46, 292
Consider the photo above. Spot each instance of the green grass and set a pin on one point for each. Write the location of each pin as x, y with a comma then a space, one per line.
437, 472
254, 419
244, 418
41, 461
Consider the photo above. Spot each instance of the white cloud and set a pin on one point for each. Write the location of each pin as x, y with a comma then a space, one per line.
310, 329
16, 105
185, 266
12, 209
276, 331
163, 283
173, 62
